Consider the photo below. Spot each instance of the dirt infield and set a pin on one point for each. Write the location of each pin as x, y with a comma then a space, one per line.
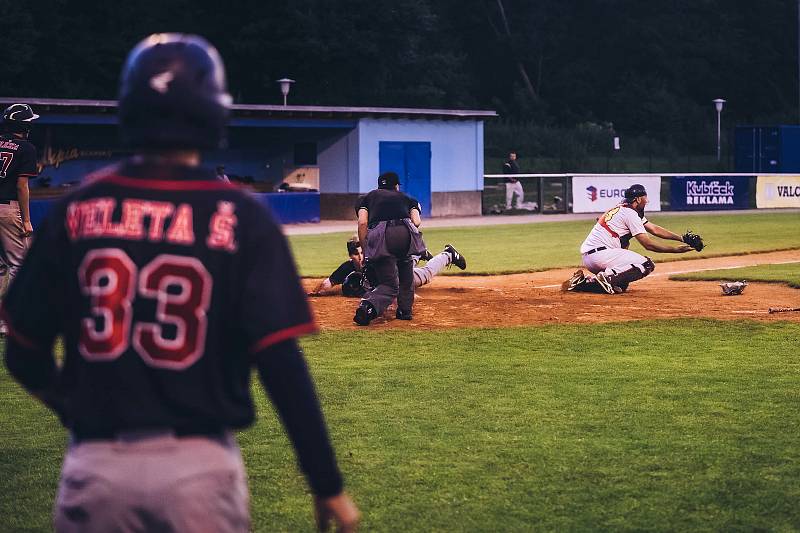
536, 298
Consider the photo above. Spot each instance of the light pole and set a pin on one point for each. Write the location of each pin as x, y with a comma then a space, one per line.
718, 103
286, 84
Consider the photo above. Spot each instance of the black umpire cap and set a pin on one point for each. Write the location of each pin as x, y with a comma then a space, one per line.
388, 180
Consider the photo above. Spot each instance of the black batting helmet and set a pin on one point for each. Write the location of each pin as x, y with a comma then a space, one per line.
17, 118
354, 284
634, 191
173, 94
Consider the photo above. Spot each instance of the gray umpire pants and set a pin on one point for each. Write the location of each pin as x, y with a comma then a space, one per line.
12, 244
395, 273
153, 483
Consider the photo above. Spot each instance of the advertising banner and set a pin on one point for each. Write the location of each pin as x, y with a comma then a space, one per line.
597, 194
778, 191
706, 193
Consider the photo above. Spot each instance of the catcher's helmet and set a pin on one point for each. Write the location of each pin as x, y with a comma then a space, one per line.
634, 191
173, 94
17, 118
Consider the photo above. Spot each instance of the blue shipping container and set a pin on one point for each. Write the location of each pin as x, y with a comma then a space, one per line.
767, 149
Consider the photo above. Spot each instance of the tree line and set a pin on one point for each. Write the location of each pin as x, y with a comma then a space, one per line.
628, 67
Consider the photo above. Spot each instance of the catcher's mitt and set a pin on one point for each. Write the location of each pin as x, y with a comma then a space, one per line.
733, 288
694, 240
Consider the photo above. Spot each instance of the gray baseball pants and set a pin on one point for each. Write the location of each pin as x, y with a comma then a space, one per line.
156, 482
424, 275
12, 244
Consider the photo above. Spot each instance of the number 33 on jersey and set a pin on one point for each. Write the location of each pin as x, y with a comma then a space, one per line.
171, 274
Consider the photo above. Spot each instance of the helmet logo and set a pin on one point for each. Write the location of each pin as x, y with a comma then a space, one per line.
20, 108
160, 82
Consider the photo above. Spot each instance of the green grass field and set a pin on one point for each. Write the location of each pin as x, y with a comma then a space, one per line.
677, 425
541, 246
570, 428
787, 273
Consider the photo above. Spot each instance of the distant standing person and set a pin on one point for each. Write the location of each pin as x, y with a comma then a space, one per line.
387, 227
168, 286
221, 174
513, 185
17, 166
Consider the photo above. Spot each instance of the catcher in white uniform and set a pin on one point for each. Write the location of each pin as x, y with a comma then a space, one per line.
605, 250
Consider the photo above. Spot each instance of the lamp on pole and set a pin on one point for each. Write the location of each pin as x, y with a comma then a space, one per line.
286, 84
718, 103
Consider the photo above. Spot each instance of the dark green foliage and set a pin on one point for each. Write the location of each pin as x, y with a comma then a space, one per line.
646, 71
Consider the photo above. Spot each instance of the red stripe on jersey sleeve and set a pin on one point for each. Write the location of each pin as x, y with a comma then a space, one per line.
169, 185
17, 336
282, 335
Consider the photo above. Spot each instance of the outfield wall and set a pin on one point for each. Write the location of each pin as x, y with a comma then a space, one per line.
288, 208
595, 193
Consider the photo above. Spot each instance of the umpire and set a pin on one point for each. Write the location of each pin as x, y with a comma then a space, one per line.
387, 228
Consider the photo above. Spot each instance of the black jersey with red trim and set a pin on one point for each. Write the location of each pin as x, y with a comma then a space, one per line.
338, 276
17, 160
163, 282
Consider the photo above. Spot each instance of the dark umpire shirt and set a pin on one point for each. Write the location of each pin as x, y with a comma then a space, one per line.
163, 282
17, 160
387, 204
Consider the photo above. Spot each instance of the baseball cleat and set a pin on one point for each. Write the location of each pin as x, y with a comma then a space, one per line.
403, 315
455, 258
365, 313
602, 280
427, 256
576, 279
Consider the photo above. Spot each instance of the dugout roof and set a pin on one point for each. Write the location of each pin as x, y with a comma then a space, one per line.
65, 111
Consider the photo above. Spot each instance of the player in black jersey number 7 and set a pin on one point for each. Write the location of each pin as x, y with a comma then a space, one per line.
17, 166
166, 284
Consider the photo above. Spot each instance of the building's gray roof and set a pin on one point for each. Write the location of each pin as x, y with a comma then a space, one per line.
68, 106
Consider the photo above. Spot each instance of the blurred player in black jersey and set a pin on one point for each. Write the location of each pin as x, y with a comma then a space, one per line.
167, 286
17, 166
357, 278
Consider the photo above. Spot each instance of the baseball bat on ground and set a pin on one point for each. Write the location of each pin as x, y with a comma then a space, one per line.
783, 309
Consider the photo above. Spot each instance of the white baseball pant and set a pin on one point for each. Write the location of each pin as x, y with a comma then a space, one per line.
613, 261
512, 188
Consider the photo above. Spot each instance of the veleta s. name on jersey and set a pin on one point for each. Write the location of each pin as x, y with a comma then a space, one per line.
154, 221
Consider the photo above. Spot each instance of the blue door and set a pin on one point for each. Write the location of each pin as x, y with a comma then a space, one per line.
412, 162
